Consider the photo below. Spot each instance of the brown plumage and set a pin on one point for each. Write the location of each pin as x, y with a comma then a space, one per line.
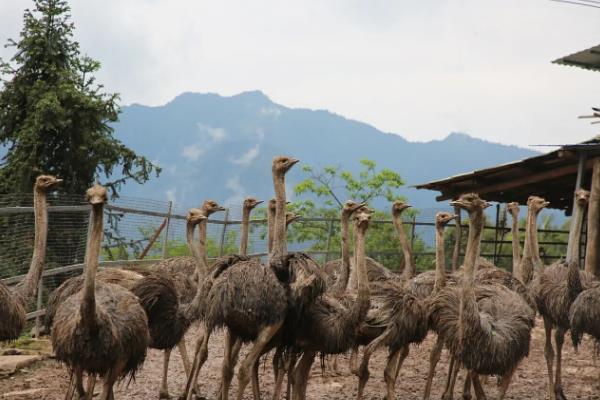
102, 330
251, 300
487, 328
14, 302
555, 290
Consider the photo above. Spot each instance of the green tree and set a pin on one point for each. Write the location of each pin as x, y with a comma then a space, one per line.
323, 193
54, 117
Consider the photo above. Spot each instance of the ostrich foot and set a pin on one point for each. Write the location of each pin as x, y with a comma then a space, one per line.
448, 396
467, 396
558, 392
163, 394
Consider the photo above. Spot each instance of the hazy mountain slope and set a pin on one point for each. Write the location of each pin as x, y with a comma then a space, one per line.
221, 147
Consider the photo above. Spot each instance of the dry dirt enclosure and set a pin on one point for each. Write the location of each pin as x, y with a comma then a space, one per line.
48, 380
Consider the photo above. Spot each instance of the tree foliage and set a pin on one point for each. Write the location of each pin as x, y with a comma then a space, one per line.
54, 117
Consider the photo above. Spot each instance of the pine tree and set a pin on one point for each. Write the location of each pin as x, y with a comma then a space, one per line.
54, 117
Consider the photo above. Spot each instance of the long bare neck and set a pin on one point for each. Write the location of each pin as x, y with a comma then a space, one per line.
516, 245
28, 289
469, 313
362, 304
244, 232
440, 261
279, 230
575, 234
271, 228
201, 253
342, 282
92, 254
409, 265
531, 261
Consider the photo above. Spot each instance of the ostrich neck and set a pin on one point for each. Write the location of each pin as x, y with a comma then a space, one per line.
271, 228
409, 266
469, 313
440, 262
244, 232
201, 254
88, 303
342, 282
575, 234
516, 246
531, 261
29, 287
362, 304
279, 236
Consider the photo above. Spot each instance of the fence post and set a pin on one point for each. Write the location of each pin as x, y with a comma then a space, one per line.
329, 234
222, 244
165, 252
457, 239
496, 234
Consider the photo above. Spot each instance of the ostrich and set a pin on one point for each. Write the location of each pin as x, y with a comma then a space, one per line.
531, 264
486, 327
513, 208
555, 290
251, 300
13, 303
103, 329
398, 207
330, 325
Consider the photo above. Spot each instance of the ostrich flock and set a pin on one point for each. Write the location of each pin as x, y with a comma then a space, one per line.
103, 322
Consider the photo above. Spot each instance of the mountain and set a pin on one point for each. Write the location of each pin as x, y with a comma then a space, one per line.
211, 146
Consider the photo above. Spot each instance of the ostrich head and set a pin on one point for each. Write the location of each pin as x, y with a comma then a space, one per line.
290, 217
536, 203
362, 218
442, 218
582, 197
210, 206
471, 202
399, 206
282, 164
251, 202
513, 208
96, 195
195, 216
350, 207
45, 182
272, 204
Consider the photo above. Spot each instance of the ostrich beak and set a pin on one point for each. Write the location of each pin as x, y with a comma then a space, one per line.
259, 202
546, 203
294, 161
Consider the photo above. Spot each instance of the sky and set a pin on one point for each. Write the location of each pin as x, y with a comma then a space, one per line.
420, 69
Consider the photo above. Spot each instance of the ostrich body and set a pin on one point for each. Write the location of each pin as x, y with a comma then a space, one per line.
13, 303
331, 324
251, 300
555, 291
102, 329
487, 328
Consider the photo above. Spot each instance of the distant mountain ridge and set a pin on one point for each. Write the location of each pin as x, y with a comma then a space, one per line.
211, 146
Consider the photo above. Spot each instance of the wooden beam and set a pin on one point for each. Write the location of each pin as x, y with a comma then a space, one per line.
526, 180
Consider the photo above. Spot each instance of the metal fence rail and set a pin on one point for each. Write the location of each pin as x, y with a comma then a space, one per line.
153, 230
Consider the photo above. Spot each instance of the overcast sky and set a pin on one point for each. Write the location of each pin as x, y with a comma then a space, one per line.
421, 69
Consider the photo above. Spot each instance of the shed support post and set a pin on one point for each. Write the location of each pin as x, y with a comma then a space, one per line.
593, 216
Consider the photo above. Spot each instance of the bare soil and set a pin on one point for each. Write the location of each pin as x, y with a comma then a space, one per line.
48, 380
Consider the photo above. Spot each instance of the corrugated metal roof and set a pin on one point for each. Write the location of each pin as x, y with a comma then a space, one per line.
587, 59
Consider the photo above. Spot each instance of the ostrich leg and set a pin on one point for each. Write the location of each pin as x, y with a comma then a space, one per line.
163, 392
354, 361
291, 365
467, 387
232, 348
559, 338
389, 372
300, 375
278, 372
261, 341
200, 356
89, 390
363, 369
255, 383
453, 369
403, 354
549, 354
504, 383
434, 358
479, 393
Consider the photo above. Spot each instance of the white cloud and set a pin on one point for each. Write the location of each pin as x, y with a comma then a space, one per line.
270, 111
214, 134
247, 158
418, 68
171, 194
192, 152
238, 190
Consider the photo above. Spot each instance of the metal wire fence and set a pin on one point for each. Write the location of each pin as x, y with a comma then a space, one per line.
138, 228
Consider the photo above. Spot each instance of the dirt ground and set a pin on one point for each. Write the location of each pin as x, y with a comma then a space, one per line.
581, 376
